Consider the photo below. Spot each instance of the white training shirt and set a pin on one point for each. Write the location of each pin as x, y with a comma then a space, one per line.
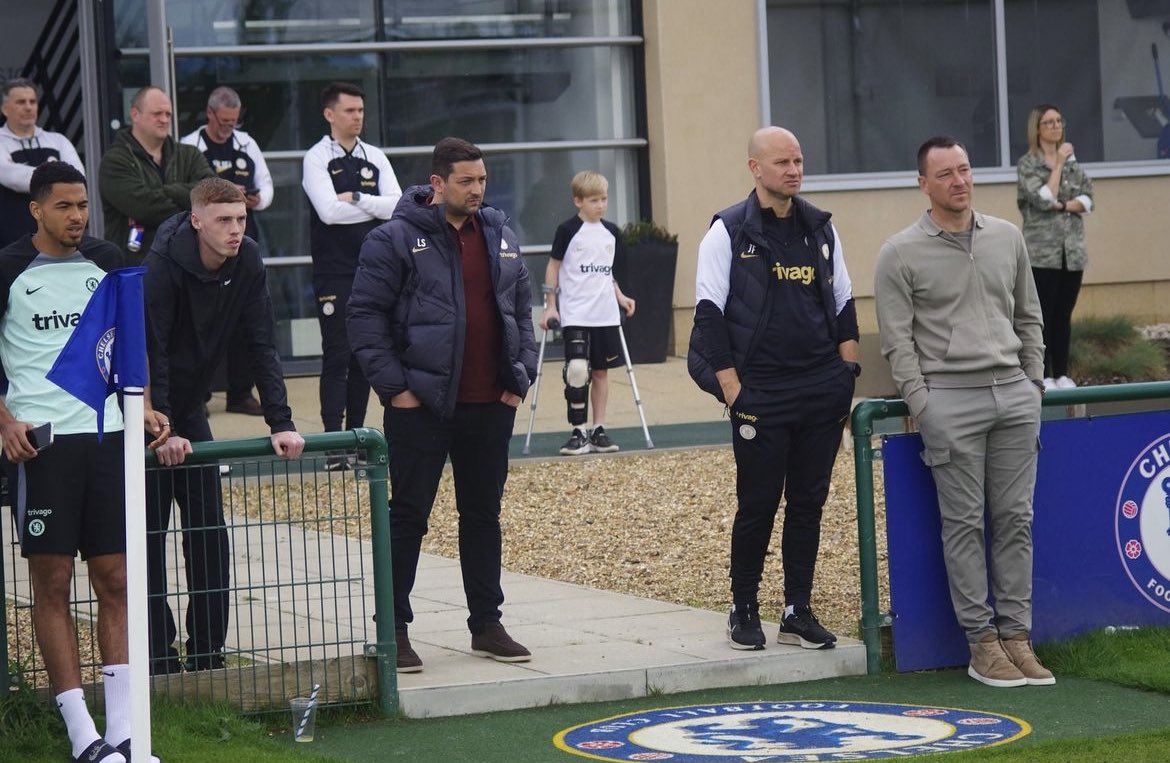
587, 252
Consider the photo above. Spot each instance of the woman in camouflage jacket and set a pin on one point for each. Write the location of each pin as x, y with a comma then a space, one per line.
1054, 194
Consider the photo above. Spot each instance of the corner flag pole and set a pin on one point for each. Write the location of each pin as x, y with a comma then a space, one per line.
107, 352
136, 613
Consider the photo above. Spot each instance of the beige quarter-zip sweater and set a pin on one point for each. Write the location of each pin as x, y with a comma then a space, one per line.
953, 318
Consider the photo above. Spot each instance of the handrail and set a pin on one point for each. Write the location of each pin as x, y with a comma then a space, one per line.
868, 411
376, 472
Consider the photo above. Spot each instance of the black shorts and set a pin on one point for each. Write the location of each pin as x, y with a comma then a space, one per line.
72, 497
605, 347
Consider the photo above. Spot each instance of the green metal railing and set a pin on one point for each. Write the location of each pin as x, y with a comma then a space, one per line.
864, 415
258, 460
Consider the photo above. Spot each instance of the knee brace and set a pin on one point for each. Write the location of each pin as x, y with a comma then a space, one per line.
577, 374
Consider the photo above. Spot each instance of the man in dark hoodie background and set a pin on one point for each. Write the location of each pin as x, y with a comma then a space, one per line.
147, 175
204, 279
440, 319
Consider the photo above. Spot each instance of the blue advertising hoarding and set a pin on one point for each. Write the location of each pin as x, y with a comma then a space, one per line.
1101, 535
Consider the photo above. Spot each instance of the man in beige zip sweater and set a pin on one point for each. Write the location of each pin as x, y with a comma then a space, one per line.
961, 327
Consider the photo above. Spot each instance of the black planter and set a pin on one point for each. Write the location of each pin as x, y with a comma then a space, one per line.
647, 275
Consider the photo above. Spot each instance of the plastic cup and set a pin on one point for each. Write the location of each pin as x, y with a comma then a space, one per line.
304, 718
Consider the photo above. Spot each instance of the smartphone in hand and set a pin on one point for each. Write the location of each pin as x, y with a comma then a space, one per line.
41, 437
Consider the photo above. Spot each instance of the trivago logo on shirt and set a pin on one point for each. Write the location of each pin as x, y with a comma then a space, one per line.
805, 274
55, 320
590, 267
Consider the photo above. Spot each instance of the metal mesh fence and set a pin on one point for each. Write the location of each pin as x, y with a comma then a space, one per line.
276, 599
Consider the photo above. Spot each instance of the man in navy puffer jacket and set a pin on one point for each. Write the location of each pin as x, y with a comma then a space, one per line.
440, 319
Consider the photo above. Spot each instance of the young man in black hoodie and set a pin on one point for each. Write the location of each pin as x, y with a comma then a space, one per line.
204, 278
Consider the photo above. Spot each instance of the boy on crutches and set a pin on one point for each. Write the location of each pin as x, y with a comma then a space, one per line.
580, 282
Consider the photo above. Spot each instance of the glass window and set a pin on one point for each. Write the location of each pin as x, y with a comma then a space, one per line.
543, 94
281, 96
1053, 56
485, 19
503, 96
863, 84
267, 22
531, 187
414, 99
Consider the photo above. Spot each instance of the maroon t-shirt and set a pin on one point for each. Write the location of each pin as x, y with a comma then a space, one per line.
479, 382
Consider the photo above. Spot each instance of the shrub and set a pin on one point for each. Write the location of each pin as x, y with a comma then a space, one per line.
1112, 351
645, 230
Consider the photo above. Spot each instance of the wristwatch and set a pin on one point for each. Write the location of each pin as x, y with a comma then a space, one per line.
356, 196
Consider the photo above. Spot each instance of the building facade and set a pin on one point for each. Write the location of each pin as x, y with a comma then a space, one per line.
661, 96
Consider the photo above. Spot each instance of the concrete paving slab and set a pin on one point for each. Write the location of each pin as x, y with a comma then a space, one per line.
641, 646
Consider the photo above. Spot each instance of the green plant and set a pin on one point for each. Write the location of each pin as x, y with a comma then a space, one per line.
25, 717
1105, 332
645, 230
1111, 350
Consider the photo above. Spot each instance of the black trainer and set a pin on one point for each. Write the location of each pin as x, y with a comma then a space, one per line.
743, 627
803, 628
599, 441
577, 444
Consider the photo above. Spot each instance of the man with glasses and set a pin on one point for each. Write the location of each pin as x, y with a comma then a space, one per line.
234, 156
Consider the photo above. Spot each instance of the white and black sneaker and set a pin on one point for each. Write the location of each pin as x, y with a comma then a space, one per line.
599, 441
743, 628
577, 444
803, 628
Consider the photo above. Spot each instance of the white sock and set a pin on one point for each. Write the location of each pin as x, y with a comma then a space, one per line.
116, 683
789, 610
78, 722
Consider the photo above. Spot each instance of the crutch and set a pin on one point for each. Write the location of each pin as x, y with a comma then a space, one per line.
634, 386
553, 325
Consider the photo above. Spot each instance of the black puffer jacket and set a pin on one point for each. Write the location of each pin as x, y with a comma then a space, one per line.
733, 331
192, 314
406, 316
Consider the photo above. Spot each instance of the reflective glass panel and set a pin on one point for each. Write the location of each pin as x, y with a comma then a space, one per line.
266, 22
414, 99
863, 84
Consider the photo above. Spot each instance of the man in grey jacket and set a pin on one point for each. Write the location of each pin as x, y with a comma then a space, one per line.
960, 325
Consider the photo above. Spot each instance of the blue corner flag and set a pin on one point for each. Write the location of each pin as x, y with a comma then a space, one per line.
92, 365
